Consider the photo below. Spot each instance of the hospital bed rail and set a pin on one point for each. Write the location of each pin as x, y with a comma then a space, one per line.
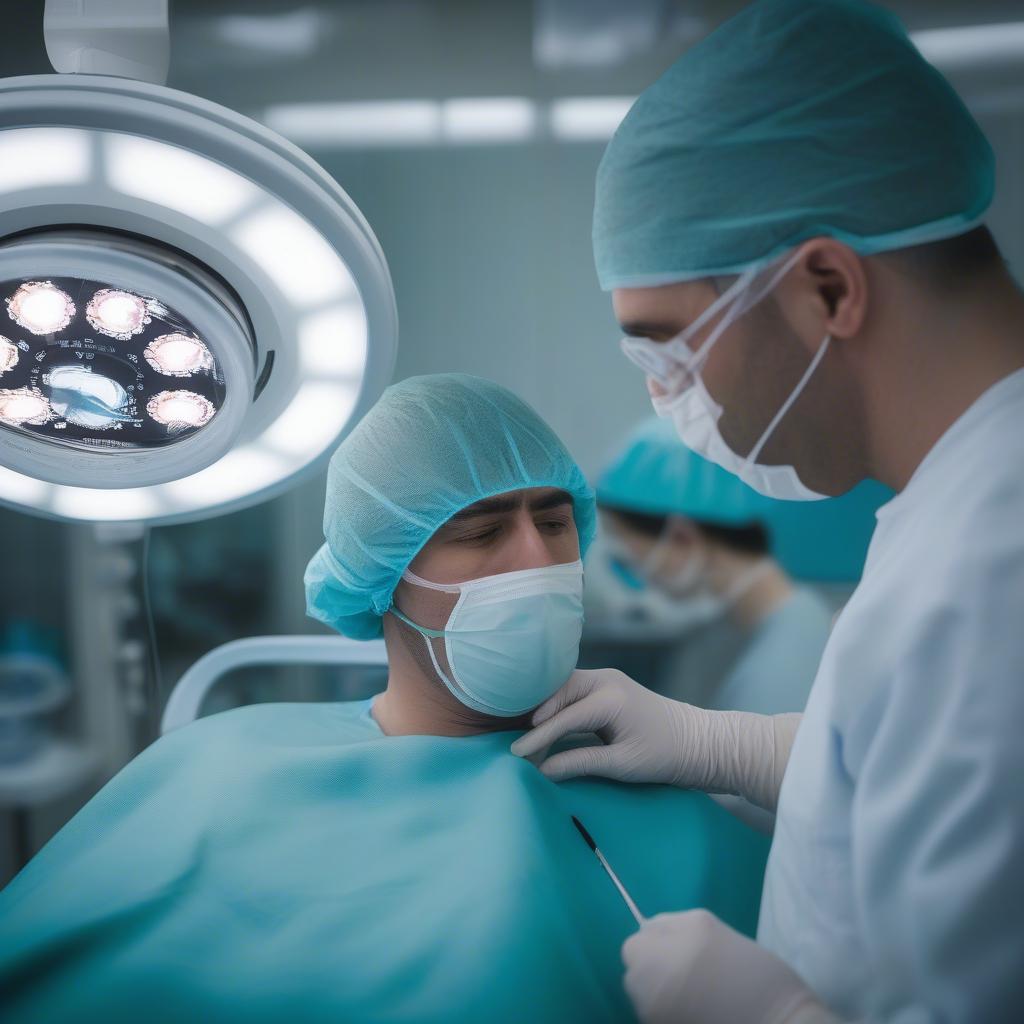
193, 687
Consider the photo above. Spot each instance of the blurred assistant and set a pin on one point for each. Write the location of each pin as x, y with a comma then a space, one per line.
702, 537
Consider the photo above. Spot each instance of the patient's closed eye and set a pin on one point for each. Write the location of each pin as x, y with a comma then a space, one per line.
555, 524
479, 536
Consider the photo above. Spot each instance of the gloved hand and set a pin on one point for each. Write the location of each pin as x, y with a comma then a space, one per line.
649, 738
691, 967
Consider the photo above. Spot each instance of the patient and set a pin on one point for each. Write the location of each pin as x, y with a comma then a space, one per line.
387, 860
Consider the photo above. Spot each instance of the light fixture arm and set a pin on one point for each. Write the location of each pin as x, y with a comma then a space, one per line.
124, 38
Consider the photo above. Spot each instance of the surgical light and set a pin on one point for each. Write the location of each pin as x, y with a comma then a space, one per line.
194, 311
178, 355
117, 314
40, 307
179, 410
23, 406
9, 355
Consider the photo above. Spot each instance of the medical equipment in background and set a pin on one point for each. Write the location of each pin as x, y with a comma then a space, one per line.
36, 765
192, 689
193, 313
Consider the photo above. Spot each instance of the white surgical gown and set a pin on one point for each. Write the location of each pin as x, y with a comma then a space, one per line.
895, 884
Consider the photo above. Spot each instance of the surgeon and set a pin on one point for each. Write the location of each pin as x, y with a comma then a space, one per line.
808, 158
701, 536
384, 860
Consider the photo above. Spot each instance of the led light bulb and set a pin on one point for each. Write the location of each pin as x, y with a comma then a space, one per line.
41, 307
117, 314
178, 355
19, 406
8, 354
179, 409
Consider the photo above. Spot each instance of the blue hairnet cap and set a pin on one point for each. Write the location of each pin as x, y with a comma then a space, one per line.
429, 448
656, 474
795, 119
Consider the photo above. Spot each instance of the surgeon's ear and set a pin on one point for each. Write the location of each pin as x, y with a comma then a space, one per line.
839, 280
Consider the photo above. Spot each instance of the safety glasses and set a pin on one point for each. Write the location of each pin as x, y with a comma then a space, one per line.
674, 364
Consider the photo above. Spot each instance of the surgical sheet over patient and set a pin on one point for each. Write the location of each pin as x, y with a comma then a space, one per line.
288, 862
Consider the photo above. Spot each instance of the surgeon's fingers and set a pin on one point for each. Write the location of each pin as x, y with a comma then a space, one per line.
586, 715
579, 685
593, 760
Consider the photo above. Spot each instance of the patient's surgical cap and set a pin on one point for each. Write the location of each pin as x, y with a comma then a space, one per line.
429, 448
795, 119
656, 474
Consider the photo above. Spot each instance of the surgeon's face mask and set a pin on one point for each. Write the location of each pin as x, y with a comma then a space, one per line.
511, 640
686, 401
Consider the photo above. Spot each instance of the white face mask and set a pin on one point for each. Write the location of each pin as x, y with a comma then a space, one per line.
512, 639
689, 585
678, 584
695, 414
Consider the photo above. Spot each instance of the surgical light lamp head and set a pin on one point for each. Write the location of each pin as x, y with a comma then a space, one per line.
192, 311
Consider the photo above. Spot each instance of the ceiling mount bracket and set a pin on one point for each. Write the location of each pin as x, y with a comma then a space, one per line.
124, 38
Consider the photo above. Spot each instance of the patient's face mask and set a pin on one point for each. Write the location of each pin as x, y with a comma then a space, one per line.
511, 640
675, 366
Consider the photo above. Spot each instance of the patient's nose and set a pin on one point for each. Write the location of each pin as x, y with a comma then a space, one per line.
534, 549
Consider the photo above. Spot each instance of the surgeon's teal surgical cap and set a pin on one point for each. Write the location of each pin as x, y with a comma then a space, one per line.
656, 474
797, 118
429, 448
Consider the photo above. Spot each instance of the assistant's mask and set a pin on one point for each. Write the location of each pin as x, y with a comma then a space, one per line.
511, 640
689, 587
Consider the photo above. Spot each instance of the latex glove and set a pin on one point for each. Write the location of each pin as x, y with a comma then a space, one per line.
649, 738
691, 967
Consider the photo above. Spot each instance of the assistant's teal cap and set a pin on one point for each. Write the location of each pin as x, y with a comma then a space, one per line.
656, 474
796, 118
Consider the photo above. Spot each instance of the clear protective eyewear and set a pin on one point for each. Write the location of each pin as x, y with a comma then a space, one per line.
674, 364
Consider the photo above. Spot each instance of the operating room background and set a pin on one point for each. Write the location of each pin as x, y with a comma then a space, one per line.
488, 241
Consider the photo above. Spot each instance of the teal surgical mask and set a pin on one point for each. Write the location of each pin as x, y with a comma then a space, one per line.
511, 640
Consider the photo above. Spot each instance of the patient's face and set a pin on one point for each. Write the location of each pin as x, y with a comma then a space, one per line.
525, 529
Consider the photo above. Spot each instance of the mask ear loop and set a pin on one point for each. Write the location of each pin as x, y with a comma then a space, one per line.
744, 302
448, 588
738, 301
753, 299
742, 305
693, 361
797, 391
428, 635
435, 634
637, 349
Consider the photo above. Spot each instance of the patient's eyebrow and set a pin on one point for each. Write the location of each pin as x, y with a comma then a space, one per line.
549, 501
504, 503
488, 507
